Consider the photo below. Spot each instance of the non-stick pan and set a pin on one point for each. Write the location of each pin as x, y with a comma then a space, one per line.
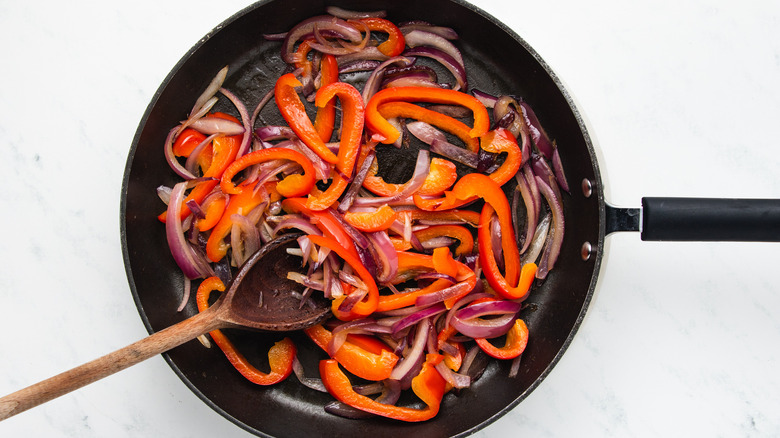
498, 60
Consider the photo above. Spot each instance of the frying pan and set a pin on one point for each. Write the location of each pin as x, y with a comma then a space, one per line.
499, 60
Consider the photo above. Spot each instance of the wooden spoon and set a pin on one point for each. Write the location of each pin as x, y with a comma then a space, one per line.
240, 307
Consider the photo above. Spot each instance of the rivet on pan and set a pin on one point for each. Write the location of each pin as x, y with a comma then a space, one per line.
587, 187
586, 251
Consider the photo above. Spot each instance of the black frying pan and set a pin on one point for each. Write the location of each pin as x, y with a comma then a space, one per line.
498, 60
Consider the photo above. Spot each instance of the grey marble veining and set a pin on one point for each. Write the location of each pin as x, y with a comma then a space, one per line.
682, 98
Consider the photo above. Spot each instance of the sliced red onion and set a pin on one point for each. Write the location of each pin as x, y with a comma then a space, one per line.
358, 66
538, 133
341, 331
296, 221
324, 46
357, 182
164, 193
457, 380
375, 79
386, 255
370, 53
192, 265
415, 354
450, 63
553, 247
484, 328
347, 14
418, 178
560, 176
417, 317
171, 158
322, 22
487, 308
425, 132
244, 238
309, 382
186, 294
444, 294
455, 153
211, 90
216, 125
260, 105
445, 32
540, 235
275, 132
412, 69
420, 37
245, 120
531, 215
195, 209
487, 99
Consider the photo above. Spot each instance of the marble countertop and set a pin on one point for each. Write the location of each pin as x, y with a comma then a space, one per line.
682, 99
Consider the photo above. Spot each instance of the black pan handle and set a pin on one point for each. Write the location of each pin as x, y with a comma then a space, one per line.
700, 219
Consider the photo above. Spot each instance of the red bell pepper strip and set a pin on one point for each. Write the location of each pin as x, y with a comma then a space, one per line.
429, 386
368, 304
395, 42
473, 186
363, 356
320, 200
516, 341
214, 209
498, 141
294, 113
187, 141
370, 221
442, 121
280, 356
241, 203
386, 133
224, 151
291, 185
442, 174
326, 115
352, 120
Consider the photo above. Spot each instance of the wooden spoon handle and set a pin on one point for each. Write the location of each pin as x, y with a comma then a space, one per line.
109, 364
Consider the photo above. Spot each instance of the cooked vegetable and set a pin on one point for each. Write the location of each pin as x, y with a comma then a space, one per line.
422, 274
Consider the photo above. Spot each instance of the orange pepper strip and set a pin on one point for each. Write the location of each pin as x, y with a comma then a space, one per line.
291, 185
319, 200
370, 221
516, 341
214, 210
241, 203
442, 174
326, 115
280, 356
363, 356
294, 113
501, 140
458, 232
386, 133
442, 121
395, 42
428, 385
368, 304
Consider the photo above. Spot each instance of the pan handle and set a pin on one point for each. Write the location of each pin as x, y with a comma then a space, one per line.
710, 219
699, 219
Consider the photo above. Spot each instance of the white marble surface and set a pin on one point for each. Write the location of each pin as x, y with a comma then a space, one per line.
683, 98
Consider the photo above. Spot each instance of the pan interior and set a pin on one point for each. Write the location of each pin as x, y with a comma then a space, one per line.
498, 61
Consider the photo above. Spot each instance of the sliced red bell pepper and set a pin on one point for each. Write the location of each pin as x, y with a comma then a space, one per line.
187, 141
320, 200
224, 151
442, 121
368, 304
363, 356
241, 203
516, 341
294, 113
280, 356
498, 141
429, 386
291, 185
352, 120
395, 42
386, 133
370, 221
213, 209
326, 115
442, 174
